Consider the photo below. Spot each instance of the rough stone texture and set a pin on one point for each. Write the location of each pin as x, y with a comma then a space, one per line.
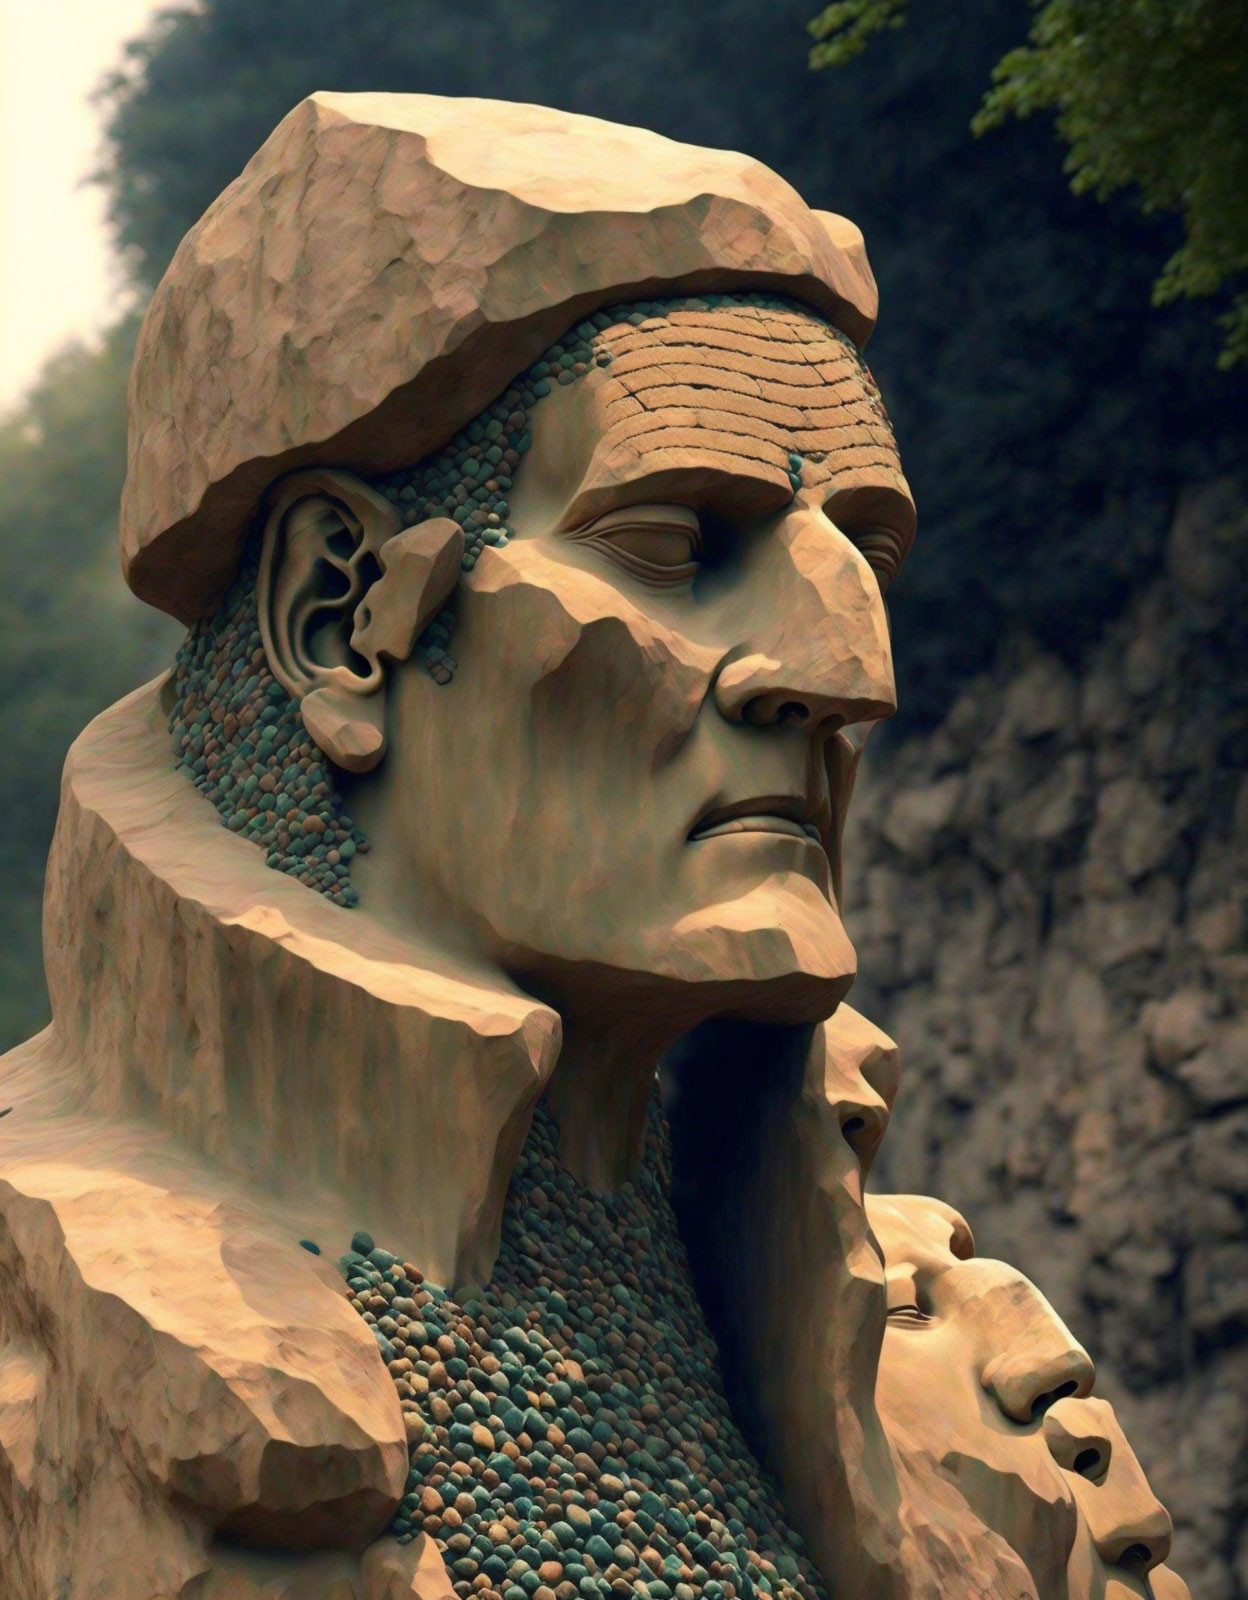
149, 896
386, 1571
172, 1371
242, 734
177, 1376
475, 232
1065, 1494
1047, 895
816, 1302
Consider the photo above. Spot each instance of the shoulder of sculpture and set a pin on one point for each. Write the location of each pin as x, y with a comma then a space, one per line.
219, 1361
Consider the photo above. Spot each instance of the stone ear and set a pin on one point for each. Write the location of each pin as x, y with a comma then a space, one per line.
342, 585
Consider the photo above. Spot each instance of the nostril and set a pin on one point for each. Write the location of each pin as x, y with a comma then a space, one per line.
862, 1131
1042, 1402
770, 711
1140, 1538
1138, 1559
1038, 1372
1078, 1440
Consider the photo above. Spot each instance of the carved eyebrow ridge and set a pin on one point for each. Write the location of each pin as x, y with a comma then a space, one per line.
869, 449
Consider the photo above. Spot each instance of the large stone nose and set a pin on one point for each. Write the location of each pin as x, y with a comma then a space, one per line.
853, 1068
1129, 1526
814, 634
1038, 1360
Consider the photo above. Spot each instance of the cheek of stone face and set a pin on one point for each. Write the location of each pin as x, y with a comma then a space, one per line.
1005, 1475
581, 708
540, 791
1013, 1488
585, 650
574, 728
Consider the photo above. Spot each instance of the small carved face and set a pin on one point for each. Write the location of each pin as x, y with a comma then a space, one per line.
640, 771
980, 1379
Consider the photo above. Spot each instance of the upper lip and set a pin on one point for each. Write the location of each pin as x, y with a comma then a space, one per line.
794, 808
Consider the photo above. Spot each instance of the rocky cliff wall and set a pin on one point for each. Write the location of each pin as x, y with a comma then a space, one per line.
1049, 895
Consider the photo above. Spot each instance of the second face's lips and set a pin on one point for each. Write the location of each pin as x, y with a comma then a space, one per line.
760, 814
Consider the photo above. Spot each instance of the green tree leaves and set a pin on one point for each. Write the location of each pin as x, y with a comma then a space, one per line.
1148, 95
843, 29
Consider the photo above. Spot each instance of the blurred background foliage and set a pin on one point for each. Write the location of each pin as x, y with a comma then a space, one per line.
1149, 96
1047, 413
71, 637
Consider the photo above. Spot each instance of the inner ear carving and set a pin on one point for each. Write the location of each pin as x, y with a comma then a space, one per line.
342, 594
320, 558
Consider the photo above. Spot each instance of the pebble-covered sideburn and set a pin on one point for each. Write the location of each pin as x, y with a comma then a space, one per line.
569, 1434
237, 732
239, 736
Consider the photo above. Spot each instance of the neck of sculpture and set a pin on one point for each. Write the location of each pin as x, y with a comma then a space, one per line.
270, 1038
598, 1095
615, 1026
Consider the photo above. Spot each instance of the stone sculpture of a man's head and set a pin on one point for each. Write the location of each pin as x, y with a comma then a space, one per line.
661, 549
1034, 1463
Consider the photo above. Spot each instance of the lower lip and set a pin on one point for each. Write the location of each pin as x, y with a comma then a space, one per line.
762, 824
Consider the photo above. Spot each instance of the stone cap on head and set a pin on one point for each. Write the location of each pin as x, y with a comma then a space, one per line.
386, 264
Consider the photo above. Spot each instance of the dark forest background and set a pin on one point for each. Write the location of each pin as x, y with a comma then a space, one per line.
1047, 413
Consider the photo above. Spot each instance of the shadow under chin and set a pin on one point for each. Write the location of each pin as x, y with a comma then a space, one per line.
724, 1085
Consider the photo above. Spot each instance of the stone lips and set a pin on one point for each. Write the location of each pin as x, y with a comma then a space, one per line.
382, 268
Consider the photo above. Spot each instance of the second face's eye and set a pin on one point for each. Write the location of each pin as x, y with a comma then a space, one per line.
904, 1309
658, 544
907, 1316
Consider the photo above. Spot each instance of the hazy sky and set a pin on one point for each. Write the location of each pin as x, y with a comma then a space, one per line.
57, 274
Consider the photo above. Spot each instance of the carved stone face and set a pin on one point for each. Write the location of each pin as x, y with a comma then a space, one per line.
638, 775
1034, 1457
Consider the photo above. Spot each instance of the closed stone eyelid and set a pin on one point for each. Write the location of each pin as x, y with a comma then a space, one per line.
654, 573
649, 515
883, 549
902, 1290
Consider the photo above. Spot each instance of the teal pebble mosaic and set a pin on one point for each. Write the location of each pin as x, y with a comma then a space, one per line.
569, 1433
238, 734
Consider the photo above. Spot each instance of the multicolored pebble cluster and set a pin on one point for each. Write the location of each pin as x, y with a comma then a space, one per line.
239, 736
274, 787
569, 1432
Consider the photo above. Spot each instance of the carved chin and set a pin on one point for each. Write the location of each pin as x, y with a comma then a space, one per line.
780, 953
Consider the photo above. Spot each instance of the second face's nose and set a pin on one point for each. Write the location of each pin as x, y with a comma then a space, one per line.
814, 633
1130, 1528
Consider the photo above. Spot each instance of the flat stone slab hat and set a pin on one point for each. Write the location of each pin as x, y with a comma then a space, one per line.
387, 263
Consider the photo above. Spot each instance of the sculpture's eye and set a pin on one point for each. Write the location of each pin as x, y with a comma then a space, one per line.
908, 1316
904, 1308
658, 544
879, 519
